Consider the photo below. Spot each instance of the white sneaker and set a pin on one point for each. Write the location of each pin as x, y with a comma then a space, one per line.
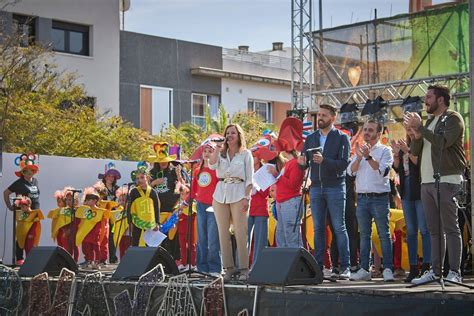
327, 273
215, 274
361, 275
345, 275
388, 275
427, 276
181, 268
454, 276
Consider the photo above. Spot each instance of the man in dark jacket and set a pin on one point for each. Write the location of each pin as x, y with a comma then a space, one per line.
439, 144
328, 190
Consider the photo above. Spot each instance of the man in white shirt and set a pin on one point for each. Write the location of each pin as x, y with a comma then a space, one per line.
371, 166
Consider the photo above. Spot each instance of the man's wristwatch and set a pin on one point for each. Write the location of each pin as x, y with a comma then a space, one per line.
369, 157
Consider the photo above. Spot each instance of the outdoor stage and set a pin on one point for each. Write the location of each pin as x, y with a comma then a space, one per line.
335, 298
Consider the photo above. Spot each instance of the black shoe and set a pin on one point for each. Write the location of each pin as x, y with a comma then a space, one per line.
413, 274
425, 267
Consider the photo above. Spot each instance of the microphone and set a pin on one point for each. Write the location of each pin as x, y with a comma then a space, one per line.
192, 161
444, 118
75, 190
314, 150
218, 139
129, 184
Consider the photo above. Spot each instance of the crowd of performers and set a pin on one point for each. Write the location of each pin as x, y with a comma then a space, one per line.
362, 210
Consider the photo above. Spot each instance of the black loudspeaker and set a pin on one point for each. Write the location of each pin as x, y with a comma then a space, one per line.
139, 260
285, 266
47, 259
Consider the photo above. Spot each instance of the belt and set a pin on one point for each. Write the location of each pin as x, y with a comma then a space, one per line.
373, 194
231, 180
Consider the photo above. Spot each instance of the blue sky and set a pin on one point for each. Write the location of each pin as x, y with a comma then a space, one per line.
257, 23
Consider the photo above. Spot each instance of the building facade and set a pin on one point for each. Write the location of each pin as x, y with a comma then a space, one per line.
157, 86
84, 36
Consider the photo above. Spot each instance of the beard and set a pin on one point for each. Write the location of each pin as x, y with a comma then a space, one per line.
432, 108
323, 125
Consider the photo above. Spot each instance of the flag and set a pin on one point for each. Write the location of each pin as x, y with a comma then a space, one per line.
307, 127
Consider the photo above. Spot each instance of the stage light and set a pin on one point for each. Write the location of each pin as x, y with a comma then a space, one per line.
377, 110
412, 104
354, 75
349, 113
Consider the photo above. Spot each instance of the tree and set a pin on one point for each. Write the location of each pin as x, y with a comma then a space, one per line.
252, 124
45, 111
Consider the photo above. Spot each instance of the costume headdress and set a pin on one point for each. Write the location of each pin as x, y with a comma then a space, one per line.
26, 161
290, 136
110, 170
162, 153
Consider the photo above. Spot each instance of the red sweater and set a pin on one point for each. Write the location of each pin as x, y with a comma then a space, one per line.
203, 188
289, 184
259, 203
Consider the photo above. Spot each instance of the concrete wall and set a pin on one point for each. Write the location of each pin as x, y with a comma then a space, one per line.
162, 62
99, 72
236, 93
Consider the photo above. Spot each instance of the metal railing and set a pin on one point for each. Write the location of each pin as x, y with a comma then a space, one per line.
266, 60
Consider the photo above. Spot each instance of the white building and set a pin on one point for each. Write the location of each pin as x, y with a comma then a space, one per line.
85, 36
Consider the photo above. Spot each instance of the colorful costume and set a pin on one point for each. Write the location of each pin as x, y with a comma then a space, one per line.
145, 211
28, 229
183, 234
90, 230
62, 229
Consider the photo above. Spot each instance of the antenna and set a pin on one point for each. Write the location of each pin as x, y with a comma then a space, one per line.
124, 5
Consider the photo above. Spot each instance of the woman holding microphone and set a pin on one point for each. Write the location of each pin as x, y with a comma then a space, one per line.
233, 163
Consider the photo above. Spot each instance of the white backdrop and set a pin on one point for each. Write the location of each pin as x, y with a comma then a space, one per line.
54, 174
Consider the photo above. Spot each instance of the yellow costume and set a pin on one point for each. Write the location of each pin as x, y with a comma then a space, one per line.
143, 212
60, 217
89, 216
24, 222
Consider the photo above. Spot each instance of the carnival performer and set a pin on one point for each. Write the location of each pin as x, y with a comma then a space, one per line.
203, 187
109, 179
233, 163
121, 229
164, 177
89, 232
63, 223
28, 226
288, 185
185, 240
145, 208
258, 213
26, 185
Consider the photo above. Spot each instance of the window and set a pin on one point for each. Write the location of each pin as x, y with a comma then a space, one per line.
70, 38
198, 114
24, 28
262, 108
198, 111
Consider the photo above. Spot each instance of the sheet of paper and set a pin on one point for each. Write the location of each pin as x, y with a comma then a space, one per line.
153, 238
210, 209
263, 179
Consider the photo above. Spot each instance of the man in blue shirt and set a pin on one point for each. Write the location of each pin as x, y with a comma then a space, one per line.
328, 189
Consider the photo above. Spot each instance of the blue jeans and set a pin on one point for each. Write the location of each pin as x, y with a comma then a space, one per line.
332, 200
286, 213
260, 235
377, 208
415, 220
208, 249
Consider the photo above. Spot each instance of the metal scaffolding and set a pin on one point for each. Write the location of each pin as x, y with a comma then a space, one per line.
393, 90
301, 54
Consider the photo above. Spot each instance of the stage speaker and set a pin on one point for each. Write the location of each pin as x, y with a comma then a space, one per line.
285, 266
47, 259
139, 260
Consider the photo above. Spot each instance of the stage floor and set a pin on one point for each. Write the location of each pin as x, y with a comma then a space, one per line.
335, 298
